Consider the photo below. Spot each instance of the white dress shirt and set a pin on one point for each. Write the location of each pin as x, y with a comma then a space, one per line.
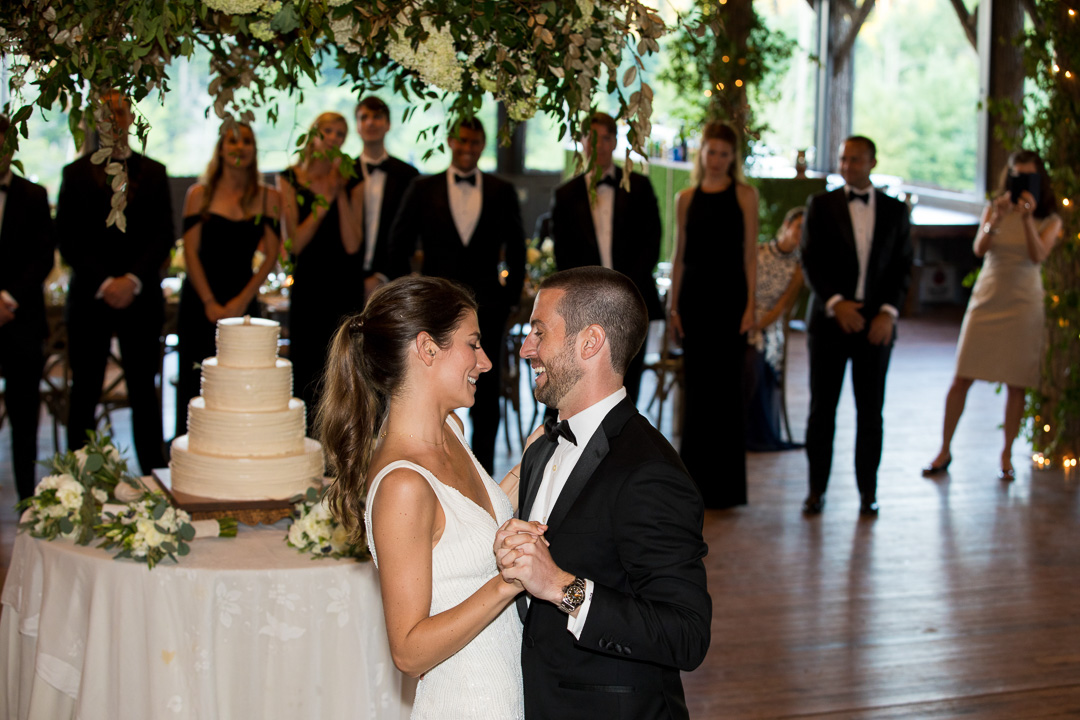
584, 425
603, 217
374, 188
466, 202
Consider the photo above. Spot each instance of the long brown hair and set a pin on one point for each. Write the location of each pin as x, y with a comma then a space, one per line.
719, 131
215, 168
366, 366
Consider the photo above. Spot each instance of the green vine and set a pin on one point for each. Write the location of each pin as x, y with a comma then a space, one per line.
1052, 57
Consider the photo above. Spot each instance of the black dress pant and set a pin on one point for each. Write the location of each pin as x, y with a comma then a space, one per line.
485, 413
830, 349
91, 324
21, 363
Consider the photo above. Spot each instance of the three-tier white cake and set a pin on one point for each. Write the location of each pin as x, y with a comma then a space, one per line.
245, 436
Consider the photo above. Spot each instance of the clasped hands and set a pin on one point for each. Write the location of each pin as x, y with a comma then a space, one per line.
522, 556
851, 320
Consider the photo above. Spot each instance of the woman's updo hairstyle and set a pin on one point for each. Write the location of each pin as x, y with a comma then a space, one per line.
365, 368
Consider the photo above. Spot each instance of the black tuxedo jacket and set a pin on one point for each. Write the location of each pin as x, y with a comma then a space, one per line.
832, 266
424, 219
629, 518
635, 232
95, 251
26, 255
398, 176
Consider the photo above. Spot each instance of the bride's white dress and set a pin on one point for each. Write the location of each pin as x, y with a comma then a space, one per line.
483, 679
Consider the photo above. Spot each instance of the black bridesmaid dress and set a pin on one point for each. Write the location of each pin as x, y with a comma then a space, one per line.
711, 303
226, 249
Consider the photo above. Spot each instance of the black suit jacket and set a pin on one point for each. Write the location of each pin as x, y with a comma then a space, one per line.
26, 256
832, 266
398, 176
629, 518
424, 219
635, 232
95, 251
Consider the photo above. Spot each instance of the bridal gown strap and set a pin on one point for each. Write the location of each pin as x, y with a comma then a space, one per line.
483, 679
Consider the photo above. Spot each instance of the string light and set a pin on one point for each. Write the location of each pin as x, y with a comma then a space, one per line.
719, 86
708, 93
1046, 428
726, 59
1065, 202
738, 83
1072, 13
1068, 74
1057, 68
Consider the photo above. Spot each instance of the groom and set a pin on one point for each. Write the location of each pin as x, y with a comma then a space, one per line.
618, 601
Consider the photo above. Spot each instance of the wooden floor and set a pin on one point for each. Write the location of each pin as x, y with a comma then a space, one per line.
961, 600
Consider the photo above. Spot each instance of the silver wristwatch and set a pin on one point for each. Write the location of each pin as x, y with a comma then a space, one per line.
573, 596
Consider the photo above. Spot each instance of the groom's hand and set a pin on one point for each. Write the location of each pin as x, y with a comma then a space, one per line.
524, 557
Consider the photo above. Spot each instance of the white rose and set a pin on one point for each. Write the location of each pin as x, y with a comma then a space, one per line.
148, 533
296, 535
70, 493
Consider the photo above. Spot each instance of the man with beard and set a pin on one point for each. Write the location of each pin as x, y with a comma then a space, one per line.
617, 603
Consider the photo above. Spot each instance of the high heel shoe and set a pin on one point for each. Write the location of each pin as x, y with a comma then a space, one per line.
932, 469
1007, 475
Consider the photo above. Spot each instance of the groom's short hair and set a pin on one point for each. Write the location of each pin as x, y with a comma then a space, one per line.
597, 296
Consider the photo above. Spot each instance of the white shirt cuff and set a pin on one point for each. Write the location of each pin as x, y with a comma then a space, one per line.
576, 624
830, 304
887, 308
135, 279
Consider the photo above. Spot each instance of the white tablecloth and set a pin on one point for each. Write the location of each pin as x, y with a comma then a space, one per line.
242, 628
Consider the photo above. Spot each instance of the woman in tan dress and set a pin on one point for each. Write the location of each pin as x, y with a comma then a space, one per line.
1001, 339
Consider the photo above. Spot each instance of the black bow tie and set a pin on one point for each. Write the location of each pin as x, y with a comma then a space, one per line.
864, 197
471, 179
554, 429
372, 167
607, 180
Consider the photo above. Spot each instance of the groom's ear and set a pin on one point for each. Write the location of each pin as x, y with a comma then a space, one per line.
591, 340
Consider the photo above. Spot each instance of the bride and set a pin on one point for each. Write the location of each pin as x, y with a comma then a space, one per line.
394, 375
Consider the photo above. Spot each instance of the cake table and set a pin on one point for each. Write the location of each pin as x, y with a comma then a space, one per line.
242, 628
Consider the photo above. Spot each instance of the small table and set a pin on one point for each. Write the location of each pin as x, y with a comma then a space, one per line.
242, 628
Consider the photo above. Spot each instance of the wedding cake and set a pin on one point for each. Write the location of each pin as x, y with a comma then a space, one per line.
245, 436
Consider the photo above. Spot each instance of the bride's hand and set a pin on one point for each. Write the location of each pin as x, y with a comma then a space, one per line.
536, 435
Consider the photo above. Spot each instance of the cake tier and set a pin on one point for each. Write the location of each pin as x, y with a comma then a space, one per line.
245, 434
233, 478
247, 342
236, 389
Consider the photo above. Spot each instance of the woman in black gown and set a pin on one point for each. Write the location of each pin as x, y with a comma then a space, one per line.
713, 277
228, 215
323, 220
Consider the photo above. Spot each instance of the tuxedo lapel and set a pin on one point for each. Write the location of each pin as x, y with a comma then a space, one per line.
531, 477
843, 218
882, 227
620, 213
591, 457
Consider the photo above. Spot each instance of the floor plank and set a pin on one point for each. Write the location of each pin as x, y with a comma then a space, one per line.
961, 600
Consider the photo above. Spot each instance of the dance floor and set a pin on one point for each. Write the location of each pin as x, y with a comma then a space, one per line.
961, 600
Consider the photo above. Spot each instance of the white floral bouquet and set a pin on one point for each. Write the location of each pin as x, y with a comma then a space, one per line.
68, 502
151, 529
540, 259
314, 530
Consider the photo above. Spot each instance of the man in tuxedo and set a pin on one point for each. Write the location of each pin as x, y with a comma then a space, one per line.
620, 231
856, 250
26, 246
467, 222
385, 180
618, 603
115, 285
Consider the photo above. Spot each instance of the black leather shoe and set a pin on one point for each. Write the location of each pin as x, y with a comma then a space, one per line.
813, 504
869, 509
932, 469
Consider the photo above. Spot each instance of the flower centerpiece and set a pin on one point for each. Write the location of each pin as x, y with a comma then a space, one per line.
91, 495
314, 530
151, 529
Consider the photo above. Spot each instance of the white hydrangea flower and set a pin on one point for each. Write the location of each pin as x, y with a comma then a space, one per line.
521, 109
435, 60
261, 30
271, 8
234, 7
345, 34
